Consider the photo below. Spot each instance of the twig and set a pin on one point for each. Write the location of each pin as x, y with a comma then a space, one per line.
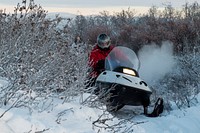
13, 105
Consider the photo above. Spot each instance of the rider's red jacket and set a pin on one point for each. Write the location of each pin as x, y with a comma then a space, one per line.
96, 55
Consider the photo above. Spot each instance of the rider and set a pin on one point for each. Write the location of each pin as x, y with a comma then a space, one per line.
97, 57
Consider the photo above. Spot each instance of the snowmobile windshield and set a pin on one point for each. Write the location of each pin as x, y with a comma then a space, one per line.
122, 57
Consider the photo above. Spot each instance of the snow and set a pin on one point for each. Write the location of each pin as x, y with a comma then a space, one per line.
73, 117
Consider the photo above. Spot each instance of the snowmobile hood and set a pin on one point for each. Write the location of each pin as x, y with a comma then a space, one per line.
124, 80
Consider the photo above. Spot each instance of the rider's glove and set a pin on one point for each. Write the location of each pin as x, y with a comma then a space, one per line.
100, 65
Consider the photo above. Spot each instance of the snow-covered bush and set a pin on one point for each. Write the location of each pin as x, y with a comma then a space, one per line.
181, 85
36, 56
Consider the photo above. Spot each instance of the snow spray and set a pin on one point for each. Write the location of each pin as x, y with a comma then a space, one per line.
155, 61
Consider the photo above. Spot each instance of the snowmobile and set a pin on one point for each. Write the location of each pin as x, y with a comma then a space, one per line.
119, 84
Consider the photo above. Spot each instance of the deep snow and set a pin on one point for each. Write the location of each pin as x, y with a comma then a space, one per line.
75, 118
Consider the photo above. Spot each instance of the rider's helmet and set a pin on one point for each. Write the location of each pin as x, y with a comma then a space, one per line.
103, 41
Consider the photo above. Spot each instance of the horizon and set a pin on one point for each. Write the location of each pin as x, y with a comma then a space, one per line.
94, 8
83, 10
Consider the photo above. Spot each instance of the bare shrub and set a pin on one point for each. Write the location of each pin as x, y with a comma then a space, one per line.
181, 85
35, 57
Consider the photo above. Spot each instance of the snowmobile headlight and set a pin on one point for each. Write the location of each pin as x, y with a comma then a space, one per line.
129, 71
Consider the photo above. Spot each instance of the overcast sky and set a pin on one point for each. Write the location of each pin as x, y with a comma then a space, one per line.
94, 6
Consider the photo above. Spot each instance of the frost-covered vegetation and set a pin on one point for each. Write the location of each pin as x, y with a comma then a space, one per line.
39, 58
36, 57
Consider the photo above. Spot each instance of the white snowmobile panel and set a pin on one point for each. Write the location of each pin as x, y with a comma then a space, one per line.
123, 79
